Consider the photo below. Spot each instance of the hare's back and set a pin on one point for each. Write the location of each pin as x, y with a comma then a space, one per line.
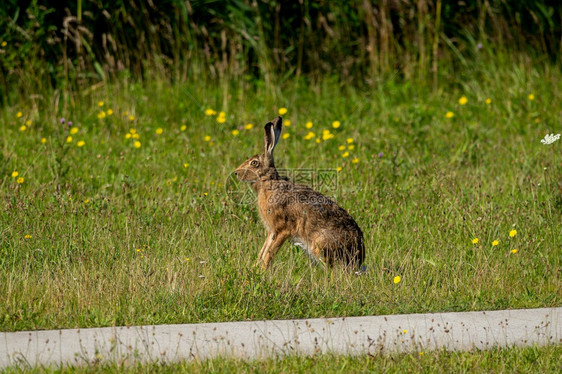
317, 213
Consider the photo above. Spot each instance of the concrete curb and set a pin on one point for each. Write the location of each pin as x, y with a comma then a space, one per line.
261, 339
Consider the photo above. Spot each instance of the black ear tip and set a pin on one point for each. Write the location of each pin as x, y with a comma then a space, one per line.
277, 121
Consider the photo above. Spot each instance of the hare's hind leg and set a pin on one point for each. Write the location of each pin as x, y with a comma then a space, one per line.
271, 247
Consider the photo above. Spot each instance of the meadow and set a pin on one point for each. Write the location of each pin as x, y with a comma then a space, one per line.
114, 207
121, 124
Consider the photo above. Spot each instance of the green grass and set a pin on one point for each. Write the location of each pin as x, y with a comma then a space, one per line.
109, 234
514, 360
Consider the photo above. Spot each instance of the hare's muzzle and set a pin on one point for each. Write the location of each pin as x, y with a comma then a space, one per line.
244, 174
240, 174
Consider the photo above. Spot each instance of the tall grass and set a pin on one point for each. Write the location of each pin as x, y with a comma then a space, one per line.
71, 46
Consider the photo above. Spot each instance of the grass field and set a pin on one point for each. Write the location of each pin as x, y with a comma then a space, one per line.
514, 360
123, 218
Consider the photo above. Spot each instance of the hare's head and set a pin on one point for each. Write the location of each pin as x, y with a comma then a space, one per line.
262, 167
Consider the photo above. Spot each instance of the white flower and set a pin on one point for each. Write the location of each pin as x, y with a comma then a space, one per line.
549, 139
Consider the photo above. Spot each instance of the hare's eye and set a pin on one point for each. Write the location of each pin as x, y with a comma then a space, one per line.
254, 163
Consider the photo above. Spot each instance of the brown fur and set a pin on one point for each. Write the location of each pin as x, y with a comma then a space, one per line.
297, 212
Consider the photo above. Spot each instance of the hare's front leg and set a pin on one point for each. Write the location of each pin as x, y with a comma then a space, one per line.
271, 247
267, 243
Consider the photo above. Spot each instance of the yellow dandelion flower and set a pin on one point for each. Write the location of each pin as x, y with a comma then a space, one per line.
27, 236
495, 242
336, 124
449, 114
109, 112
19, 114
133, 131
159, 131
185, 165
235, 132
287, 123
355, 160
351, 147
131, 118
308, 125
463, 100
339, 168
531, 97
15, 173
514, 251
187, 259
346, 154
135, 136
475, 241
222, 114
404, 331
20, 180
207, 138
248, 126
488, 101
286, 135
349, 140
128, 136
282, 111
73, 130
86, 201
80, 143
512, 233
205, 193
309, 136
4, 43
101, 103
28, 122
43, 140
69, 139
23, 127
125, 113
318, 140
101, 115
341, 147
210, 112
183, 128
137, 144
221, 119
397, 279
326, 134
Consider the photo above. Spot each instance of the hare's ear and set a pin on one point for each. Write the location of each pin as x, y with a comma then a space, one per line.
272, 135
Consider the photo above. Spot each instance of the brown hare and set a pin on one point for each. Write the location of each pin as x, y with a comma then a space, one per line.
292, 211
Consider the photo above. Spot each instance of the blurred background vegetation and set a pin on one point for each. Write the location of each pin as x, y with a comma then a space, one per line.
72, 46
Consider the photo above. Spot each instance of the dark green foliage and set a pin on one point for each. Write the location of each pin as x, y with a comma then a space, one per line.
72, 45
